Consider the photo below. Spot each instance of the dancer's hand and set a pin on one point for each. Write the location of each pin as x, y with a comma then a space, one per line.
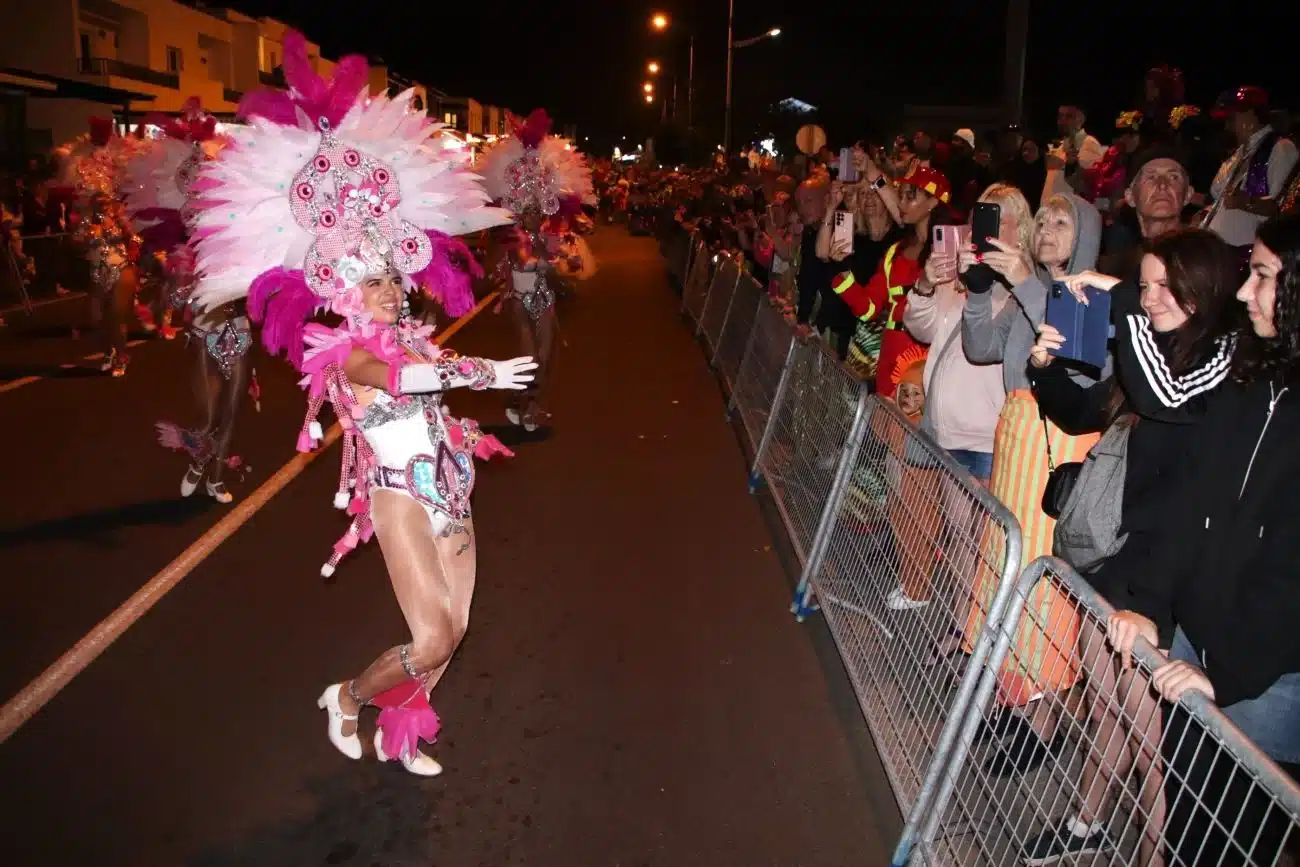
513, 375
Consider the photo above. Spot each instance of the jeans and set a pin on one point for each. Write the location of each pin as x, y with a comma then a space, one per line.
1272, 720
978, 464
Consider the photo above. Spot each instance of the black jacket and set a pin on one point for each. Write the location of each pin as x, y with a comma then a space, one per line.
1155, 451
1227, 560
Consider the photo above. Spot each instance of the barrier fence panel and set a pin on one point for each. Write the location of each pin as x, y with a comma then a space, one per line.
807, 431
736, 330
905, 534
768, 357
677, 247
726, 277
696, 293
1147, 782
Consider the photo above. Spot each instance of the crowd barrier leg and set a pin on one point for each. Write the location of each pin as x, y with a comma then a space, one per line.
802, 605
726, 314
782, 389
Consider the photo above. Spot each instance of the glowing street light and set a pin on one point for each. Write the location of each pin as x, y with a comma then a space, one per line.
648, 87
653, 66
659, 21
775, 31
649, 97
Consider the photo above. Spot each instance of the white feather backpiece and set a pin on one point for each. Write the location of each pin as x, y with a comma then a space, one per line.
567, 166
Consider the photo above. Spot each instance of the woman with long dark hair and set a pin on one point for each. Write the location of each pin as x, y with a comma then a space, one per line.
1186, 294
1224, 570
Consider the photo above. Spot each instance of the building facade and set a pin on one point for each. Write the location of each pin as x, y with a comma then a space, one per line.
155, 54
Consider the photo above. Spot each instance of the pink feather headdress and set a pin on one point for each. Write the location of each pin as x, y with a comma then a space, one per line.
534, 170
324, 187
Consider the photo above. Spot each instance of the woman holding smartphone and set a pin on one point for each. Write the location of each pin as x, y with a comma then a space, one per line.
922, 201
1026, 447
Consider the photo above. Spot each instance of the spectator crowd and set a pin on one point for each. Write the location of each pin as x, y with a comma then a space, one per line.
1162, 472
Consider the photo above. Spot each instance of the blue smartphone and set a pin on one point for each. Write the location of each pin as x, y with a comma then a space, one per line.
1086, 326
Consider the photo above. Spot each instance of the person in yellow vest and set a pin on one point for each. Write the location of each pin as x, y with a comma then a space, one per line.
923, 201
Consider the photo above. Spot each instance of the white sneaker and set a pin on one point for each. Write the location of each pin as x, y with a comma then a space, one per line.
348, 745
898, 600
419, 764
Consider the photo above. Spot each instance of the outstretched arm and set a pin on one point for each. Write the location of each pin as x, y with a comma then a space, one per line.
449, 371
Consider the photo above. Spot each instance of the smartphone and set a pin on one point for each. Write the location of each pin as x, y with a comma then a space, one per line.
842, 230
985, 223
1086, 326
848, 172
949, 240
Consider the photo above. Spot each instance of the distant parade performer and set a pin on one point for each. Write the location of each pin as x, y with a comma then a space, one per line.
331, 200
158, 188
538, 177
90, 173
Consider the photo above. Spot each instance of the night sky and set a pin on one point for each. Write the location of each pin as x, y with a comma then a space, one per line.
584, 60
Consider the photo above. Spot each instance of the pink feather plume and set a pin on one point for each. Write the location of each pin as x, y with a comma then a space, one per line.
308, 91
450, 273
282, 302
534, 128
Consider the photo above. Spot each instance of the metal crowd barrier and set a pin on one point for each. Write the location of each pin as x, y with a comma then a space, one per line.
947, 644
695, 291
722, 291
1157, 783
737, 327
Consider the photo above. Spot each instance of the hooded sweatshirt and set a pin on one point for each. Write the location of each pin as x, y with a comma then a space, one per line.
963, 399
1007, 336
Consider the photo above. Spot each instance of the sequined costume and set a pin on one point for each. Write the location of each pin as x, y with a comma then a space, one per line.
537, 177
93, 166
325, 195
158, 187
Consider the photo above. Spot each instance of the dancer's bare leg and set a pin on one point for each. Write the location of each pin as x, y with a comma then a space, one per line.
207, 384
433, 579
121, 297
223, 407
527, 337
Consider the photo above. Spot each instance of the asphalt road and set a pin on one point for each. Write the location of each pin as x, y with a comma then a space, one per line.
632, 692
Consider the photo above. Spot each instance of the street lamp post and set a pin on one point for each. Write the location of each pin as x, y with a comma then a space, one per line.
731, 50
661, 23
732, 45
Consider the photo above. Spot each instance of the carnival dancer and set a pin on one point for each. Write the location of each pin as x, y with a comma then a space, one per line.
92, 167
536, 176
157, 189
332, 200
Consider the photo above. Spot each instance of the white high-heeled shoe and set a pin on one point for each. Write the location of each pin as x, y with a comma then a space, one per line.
419, 764
190, 483
218, 492
348, 745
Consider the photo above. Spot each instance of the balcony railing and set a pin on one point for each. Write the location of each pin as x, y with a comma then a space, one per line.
274, 78
107, 66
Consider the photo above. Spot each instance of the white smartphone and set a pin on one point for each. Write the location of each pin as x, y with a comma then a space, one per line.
842, 230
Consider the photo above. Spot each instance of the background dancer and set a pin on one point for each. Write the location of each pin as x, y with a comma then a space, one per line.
535, 176
157, 188
92, 166
332, 200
